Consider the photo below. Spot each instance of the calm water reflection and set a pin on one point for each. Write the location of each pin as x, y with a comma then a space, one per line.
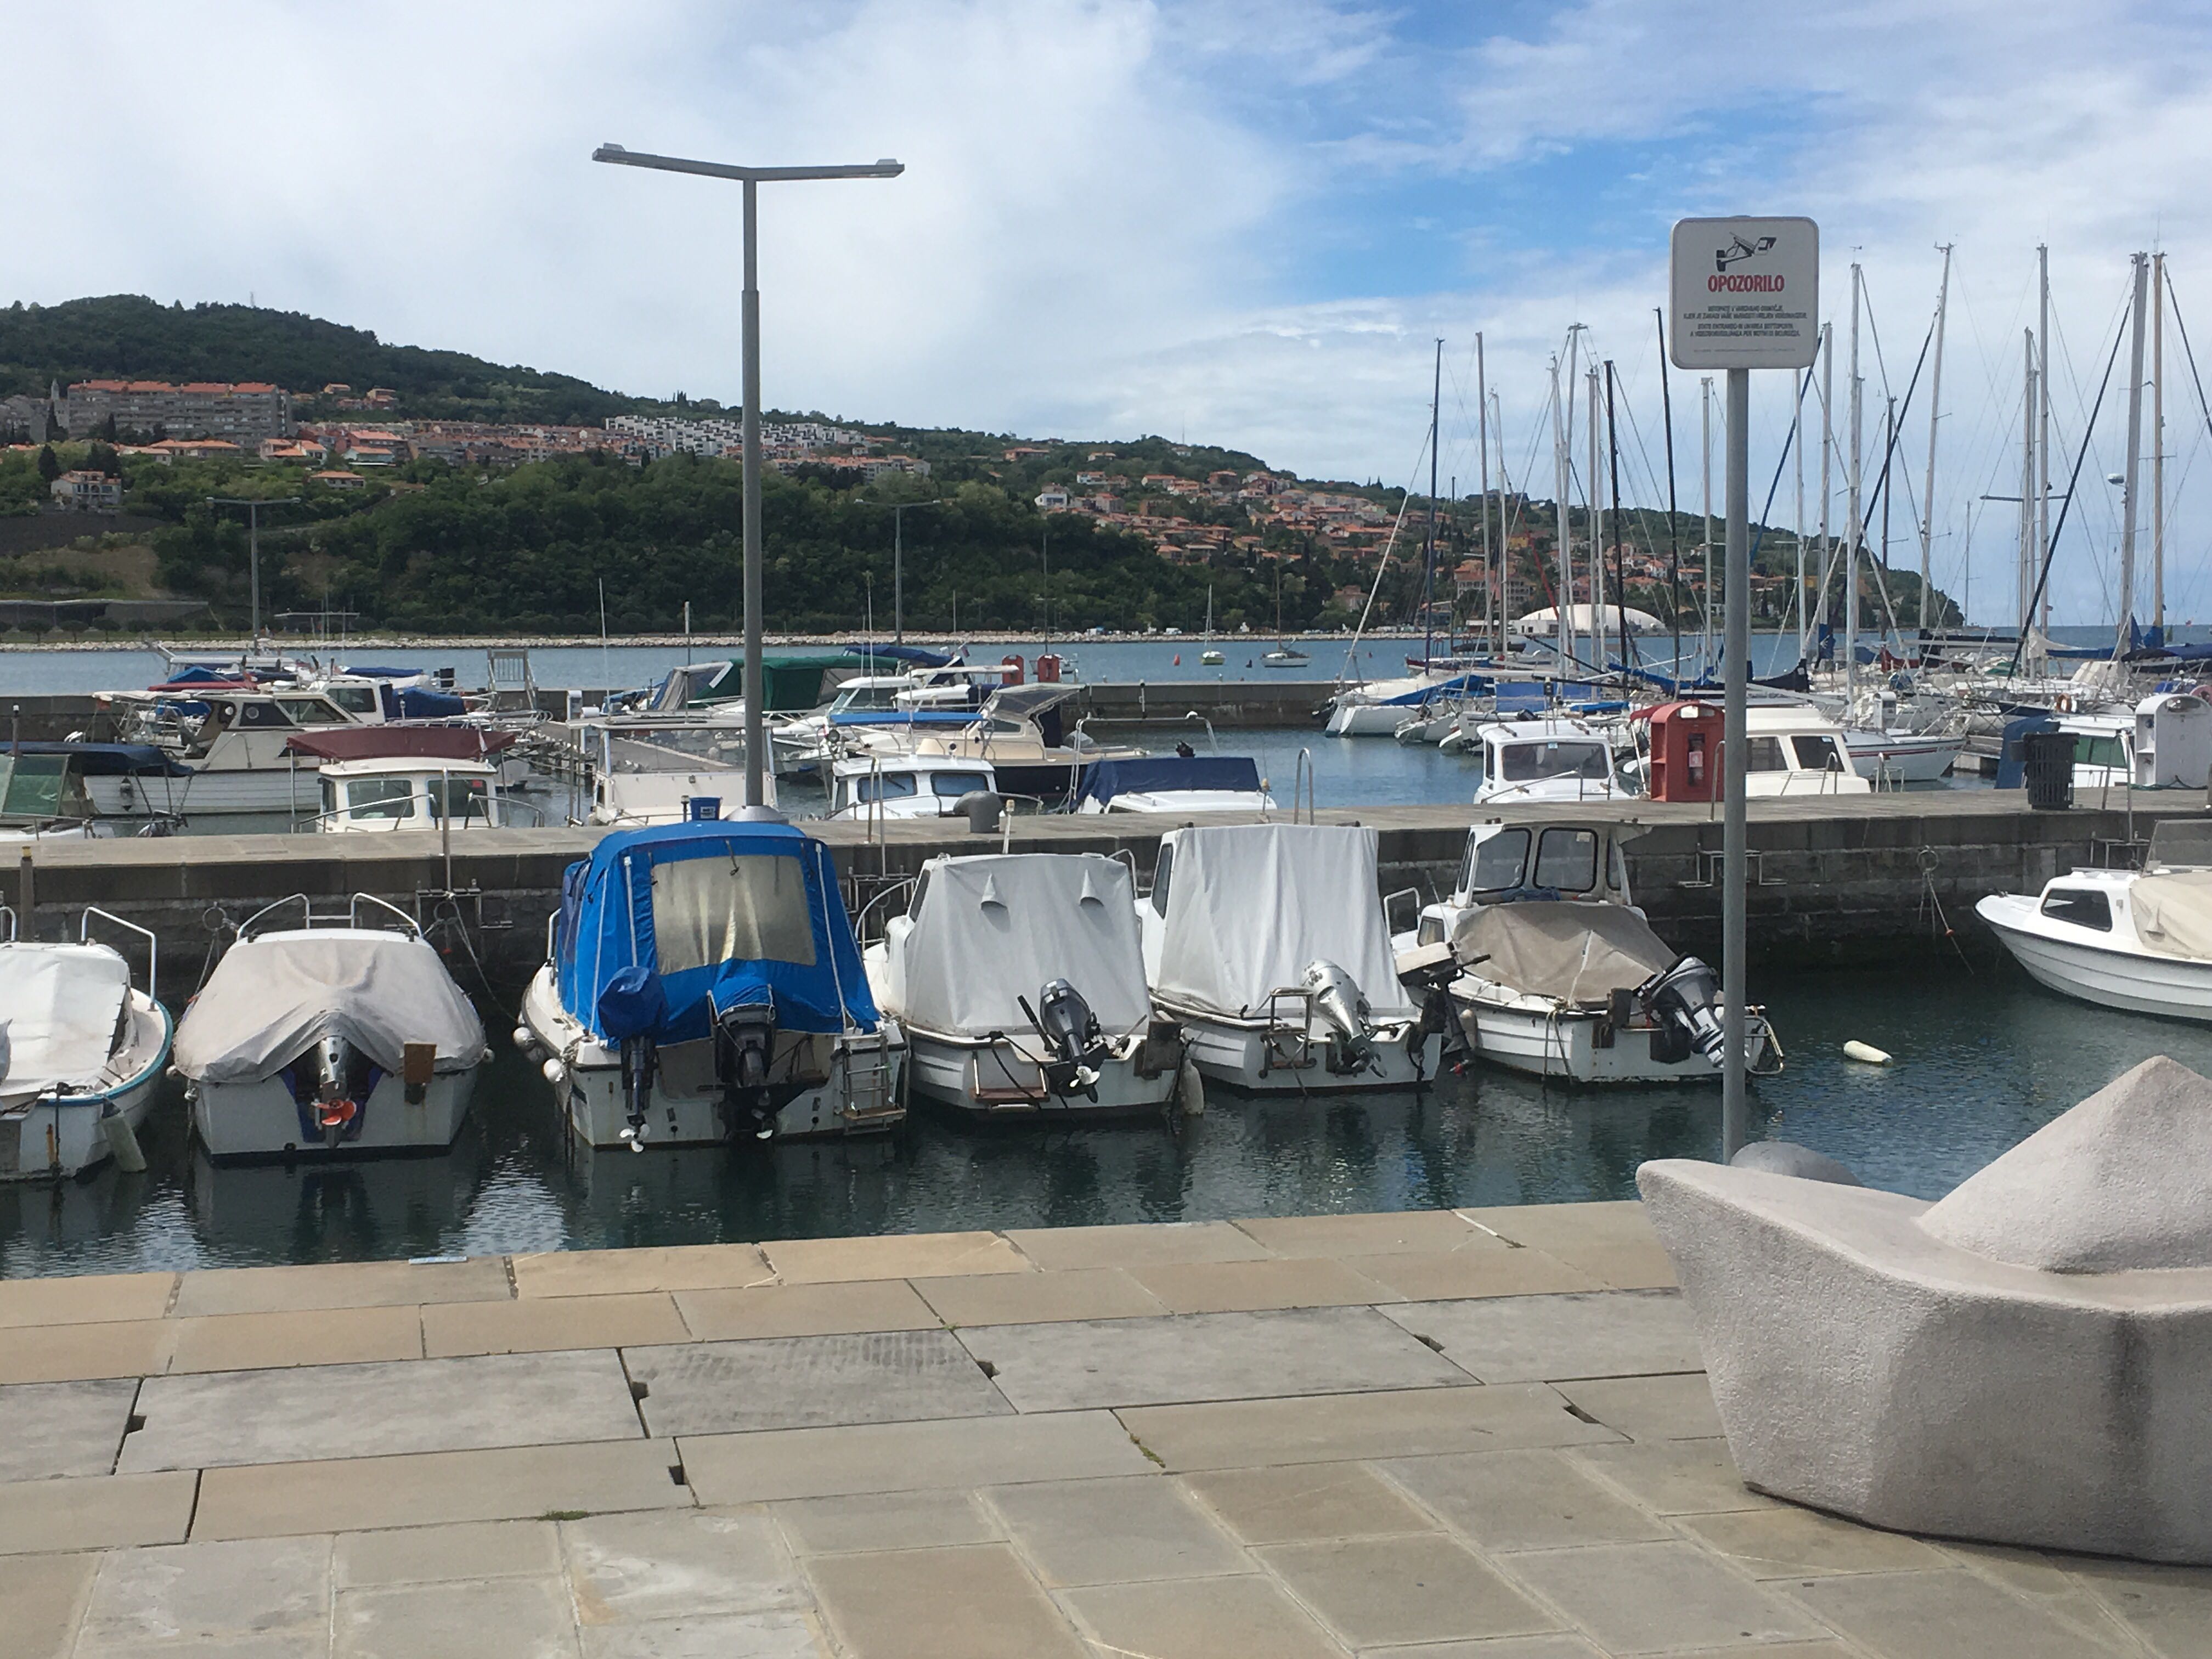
1983, 1058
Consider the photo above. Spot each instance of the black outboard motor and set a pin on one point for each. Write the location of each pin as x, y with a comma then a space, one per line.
640, 1060
1071, 1032
1683, 1000
744, 1047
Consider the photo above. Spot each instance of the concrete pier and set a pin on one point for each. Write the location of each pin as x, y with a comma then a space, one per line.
1478, 1434
1862, 879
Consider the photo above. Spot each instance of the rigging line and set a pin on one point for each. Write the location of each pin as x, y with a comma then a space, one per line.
1881, 483
2066, 501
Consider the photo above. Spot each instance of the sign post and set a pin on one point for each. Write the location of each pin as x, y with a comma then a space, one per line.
1746, 295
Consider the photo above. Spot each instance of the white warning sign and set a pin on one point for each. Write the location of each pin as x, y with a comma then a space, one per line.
1747, 294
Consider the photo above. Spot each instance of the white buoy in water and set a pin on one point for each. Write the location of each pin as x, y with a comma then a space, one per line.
1865, 1052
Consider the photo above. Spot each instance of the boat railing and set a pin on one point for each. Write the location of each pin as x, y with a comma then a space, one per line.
903, 885
1389, 899
1302, 779
349, 917
84, 937
9, 916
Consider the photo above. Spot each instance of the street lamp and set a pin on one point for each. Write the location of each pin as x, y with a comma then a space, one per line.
253, 541
751, 178
899, 510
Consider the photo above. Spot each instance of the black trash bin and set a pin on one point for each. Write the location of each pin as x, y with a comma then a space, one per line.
2049, 769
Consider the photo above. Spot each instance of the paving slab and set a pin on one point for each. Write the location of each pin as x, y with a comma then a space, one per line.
1557, 1646
1523, 1500
1457, 1275
1951, 1614
786, 1635
1137, 1244
84, 1299
40, 1599
1425, 1587
1107, 1532
464, 1549
1328, 1428
1392, 1233
671, 1564
1229, 1355
201, 1594
968, 1601
646, 1268
325, 1412
423, 1488
805, 1310
1242, 1618
1677, 1408
1194, 1287
103, 1512
1612, 1242
1305, 1501
63, 1428
982, 1451
1525, 1339
317, 1336
1788, 1542
72, 1352
1038, 1297
2168, 1607
892, 1256
885, 1520
1641, 1598
341, 1285
810, 1381
495, 1619
1674, 1477
547, 1324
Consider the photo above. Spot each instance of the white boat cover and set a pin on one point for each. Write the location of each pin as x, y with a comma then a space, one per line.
61, 1009
1573, 952
1249, 905
2174, 913
270, 997
993, 928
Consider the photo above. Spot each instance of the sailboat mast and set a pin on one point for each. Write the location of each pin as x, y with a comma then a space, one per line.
1854, 527
1819, 617
1429, 566
1674, 533
1935, 404
1593, 496
1798, 450
1705, 591
1613, 494
2158, 445
1562, 631
2135, 456
1504, 489
1482, 446
2042, 430
2028, 569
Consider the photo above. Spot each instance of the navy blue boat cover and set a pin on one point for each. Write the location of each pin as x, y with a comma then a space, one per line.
1153, 774
661, 928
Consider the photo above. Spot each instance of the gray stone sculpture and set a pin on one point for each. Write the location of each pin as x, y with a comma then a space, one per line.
2028, 1361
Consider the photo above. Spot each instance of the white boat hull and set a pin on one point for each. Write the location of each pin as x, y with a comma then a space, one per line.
59, 1137
1262, 1060
994, 1080
1370, 719
2143, 982
255, 790
1903, 759
1545, 1043
260, 1119
861, 1096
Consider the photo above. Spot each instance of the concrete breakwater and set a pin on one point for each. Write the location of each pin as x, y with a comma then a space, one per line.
1850, 879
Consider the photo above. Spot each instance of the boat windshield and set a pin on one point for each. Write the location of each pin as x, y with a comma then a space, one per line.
32, 785
2181, 844
707, 910
2098, 752
865, 698
1525, 763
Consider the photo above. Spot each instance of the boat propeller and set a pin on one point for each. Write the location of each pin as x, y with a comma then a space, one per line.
1684, 1000
1071, 1032
335, 1107
639, 1062
1335, 996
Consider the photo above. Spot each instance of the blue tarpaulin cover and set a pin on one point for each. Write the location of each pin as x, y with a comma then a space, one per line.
107, 760
614, 974
1152, 774
414, 702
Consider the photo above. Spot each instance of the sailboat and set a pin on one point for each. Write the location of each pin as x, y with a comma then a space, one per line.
1285, 655
1211, 657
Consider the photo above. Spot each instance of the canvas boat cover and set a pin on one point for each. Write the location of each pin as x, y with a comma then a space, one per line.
991, 929
2174, 913
61, 1008
661, 927
1153, 774
269, 998
1250, 905
1574, 952
347, 742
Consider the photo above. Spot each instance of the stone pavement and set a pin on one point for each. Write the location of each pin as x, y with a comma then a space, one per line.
1443, 1435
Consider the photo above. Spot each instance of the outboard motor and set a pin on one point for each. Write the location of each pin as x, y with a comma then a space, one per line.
335, 1106
744, 1048
1070, 1031
1335, 996
1682, 1000
640, 1060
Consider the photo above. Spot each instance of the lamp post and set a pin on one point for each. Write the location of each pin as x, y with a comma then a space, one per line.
751, 179
898, 511
253, 542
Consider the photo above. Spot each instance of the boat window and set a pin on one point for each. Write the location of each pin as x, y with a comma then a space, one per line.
30, 785
1004, 727
1160, 874
1495, 864
952, 786
2098, 752
263, 715
1766, 755
330, 797
2085, 907
884, 785
1817, 753
313, 711
380, 798
354, 699
2180, 844
461, 797
1617, 870
731, 909
1525, 763
1567, 860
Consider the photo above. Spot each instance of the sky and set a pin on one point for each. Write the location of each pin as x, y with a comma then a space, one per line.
1243, 221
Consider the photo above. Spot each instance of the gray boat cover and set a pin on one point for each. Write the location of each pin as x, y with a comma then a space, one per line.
1575, 952
61, 1008
1249, 905
993, 928
270, 997
2174, 913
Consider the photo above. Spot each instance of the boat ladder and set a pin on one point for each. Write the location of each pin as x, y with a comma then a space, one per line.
868, 1096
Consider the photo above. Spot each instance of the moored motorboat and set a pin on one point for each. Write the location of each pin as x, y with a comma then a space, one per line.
341, 1036
1175, 783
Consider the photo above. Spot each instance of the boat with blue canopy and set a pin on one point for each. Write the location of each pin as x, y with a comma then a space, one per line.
703, 984
1175, 783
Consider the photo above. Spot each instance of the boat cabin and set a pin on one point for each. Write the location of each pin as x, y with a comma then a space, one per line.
1175, 783
409, 794
905, 786
1794, 750
1546, 760
1535, 860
